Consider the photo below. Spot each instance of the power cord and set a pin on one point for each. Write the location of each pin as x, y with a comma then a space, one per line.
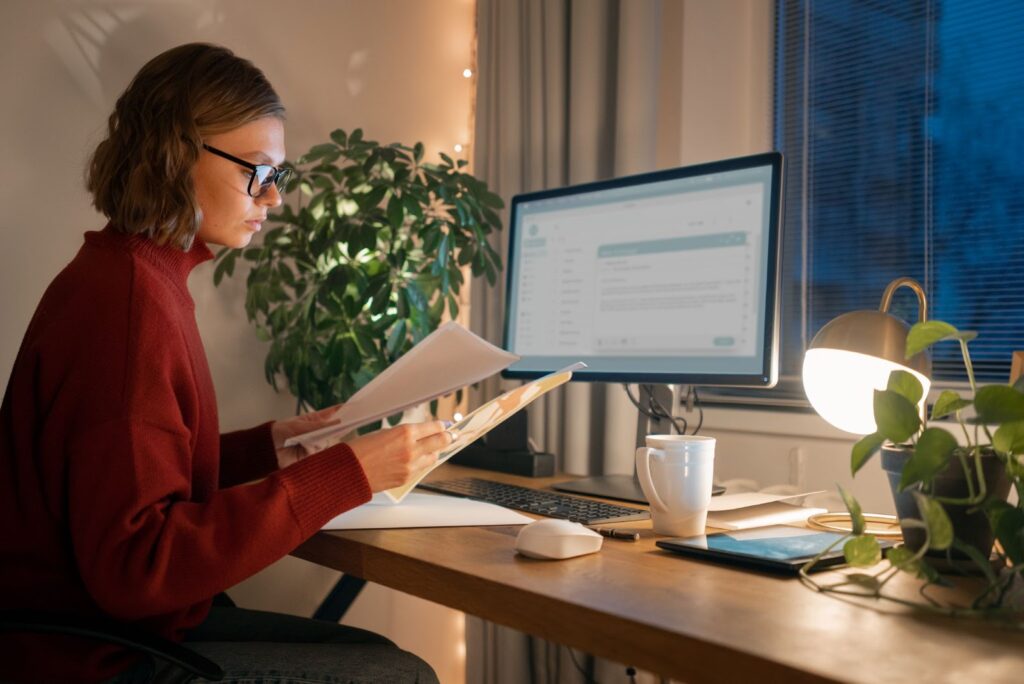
657, 411
586, 676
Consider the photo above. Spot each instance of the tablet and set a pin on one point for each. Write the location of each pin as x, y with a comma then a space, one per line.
777, 548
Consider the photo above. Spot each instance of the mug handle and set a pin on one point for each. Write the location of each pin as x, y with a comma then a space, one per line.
643, 473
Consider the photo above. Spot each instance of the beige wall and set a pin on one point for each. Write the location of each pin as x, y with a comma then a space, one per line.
392, 67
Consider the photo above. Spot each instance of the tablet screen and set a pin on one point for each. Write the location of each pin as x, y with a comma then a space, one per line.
777, 547
777, 542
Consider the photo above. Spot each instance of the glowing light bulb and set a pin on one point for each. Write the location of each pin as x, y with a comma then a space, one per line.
467, 73
458, 147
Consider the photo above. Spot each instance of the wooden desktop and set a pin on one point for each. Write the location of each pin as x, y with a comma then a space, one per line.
690, 620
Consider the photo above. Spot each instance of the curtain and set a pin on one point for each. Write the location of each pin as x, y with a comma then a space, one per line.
568, 92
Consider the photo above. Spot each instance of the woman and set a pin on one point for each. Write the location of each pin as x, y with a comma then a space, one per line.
120, 497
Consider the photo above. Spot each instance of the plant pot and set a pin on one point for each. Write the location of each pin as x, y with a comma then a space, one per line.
970, 528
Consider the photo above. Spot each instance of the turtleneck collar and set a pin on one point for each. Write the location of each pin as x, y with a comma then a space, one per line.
173, 260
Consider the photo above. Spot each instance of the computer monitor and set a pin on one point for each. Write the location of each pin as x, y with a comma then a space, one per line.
670, 277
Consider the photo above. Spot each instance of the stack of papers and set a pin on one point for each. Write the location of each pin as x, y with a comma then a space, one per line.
754, 509
449, 358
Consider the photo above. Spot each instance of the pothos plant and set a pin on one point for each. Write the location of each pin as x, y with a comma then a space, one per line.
362, 261
996, 430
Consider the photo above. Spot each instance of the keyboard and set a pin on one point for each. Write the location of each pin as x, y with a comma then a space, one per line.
574, 508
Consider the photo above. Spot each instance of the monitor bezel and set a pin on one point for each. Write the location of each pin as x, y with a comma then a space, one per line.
769, 372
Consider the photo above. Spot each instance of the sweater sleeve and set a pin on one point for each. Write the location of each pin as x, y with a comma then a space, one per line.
143, 548
247, 455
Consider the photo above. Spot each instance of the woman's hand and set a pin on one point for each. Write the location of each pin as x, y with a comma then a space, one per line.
283, 429
390, 457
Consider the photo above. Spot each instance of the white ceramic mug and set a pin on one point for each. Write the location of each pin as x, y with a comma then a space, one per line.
676, 473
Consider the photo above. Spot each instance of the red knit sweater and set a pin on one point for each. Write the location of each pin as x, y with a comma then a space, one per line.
118, 495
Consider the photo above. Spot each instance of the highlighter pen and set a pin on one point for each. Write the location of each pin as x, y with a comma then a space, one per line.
614, 533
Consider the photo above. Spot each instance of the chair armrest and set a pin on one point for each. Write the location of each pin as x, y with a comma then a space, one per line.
113, 632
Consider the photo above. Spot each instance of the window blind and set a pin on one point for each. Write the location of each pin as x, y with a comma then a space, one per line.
902, 123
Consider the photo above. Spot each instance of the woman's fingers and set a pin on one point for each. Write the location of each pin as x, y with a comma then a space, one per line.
433, 443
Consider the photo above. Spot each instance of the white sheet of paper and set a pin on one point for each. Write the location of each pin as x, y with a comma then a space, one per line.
447, 359
772, 513
425, 510
730, 502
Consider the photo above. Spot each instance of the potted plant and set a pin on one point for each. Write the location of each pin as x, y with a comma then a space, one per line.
951, 497
362, 262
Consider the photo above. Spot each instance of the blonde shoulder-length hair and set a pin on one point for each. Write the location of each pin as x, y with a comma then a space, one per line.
140, 176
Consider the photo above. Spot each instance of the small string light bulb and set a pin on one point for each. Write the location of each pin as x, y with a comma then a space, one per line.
458, 147
467, 73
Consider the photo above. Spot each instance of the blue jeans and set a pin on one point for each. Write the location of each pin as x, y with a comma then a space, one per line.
256, 646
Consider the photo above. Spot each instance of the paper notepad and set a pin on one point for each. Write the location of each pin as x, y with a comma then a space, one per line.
755, 509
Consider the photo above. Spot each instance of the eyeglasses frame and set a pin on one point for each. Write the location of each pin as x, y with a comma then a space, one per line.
278, 177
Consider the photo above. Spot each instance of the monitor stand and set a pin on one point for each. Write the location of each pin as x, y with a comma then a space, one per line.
626, 487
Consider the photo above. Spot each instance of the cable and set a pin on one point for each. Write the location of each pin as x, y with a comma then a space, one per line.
586, 677
700, 409
631, 673
655, 412
667, 414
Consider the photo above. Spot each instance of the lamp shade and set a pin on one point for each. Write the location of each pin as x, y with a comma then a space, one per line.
851, 357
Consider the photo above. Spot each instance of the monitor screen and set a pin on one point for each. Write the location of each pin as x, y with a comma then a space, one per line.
664, 277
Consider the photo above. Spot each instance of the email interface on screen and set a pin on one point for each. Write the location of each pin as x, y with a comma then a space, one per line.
666, 277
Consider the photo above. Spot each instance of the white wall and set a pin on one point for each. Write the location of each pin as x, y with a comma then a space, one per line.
392, 67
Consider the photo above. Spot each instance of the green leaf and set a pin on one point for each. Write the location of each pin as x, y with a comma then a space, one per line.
327, 152
983, 563
853, 506
862, 551
996, 404
492, 200
365, 342
947, 403
906, 385
339, 136
940, 529
863, 450
396, 212
903, 558
931, 454
396, 339
925, 334
1008, 524
1009, 438
417, 152
896, 417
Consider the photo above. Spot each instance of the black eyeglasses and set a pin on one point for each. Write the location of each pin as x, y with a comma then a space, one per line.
263, 175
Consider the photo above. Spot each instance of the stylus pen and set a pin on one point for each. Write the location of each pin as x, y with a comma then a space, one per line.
615, 533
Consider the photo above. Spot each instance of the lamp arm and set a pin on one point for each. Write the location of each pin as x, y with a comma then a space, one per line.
890, 290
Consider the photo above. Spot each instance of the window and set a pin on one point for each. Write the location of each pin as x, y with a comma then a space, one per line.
902, 123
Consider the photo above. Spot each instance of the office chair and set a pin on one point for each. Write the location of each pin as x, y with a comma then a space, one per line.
113, 632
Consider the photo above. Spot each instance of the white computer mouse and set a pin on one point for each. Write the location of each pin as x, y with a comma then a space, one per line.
554, 539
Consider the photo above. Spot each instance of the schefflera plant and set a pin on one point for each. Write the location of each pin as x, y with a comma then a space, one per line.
362, 262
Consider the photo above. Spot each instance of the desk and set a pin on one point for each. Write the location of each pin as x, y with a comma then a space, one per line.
695, 621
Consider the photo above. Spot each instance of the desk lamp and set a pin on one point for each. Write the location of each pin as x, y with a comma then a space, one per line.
851, 357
